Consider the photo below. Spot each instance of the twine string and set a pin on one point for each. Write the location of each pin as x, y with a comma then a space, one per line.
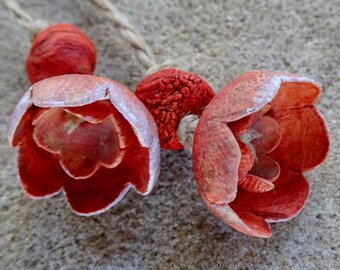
23, 18
130, 34
127, 31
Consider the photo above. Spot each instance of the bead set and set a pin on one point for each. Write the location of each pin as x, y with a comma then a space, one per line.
94, 139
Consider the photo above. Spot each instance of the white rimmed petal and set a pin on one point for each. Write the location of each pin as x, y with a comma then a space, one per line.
117, 200
23, 105
249, 92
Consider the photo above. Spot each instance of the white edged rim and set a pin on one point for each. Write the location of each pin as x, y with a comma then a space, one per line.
116, 201
216, 157
23, 105
144, 126
297, 213
47, 196
259, 86
329, 137
227, 215
72, 90
154, 167
61, 190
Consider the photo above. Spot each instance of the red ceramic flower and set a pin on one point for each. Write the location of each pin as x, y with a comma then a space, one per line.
252, 145
88, 136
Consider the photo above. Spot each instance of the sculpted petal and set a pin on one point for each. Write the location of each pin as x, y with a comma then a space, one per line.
82, 147
97, 193
39, 171
249, 93
284, 202
266, 168
143, 125
247, 159
216, 159
294, 95
305, 140
71, 90
240, 126
108, 186
250, 212
241, 220
94, 112
269, 134
20, 119
254, 183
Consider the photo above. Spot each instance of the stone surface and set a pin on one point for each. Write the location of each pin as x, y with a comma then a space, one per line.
171, 228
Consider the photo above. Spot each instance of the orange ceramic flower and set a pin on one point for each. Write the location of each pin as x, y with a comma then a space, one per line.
252, 145
85, 135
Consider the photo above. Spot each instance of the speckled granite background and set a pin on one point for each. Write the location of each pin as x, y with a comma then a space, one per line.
171, 228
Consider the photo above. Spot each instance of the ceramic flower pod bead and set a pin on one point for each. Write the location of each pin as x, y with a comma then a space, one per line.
60, 49
170, 94
88, 136
253, 143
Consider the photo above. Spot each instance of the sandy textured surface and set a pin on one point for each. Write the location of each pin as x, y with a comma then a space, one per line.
171, 228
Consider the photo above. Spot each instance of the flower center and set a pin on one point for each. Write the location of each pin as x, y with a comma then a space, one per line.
248, 137
257, 169
81, 147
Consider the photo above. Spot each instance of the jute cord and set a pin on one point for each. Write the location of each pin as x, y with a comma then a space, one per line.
34, 26
131, 35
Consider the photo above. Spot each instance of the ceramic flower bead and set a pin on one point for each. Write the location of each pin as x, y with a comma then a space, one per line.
85, 135
253, 143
